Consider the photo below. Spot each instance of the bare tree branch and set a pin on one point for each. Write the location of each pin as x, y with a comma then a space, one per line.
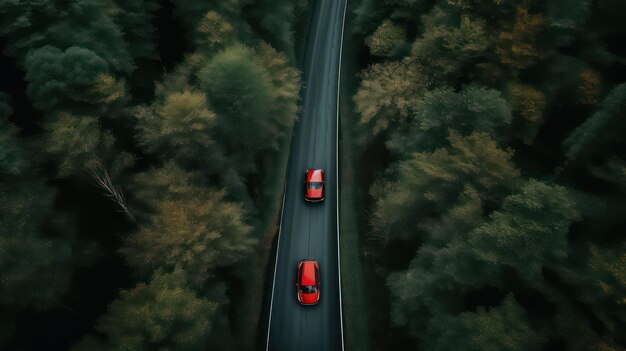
102, 179
379, 229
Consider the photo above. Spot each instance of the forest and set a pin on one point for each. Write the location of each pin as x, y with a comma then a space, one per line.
490, 136
142, 148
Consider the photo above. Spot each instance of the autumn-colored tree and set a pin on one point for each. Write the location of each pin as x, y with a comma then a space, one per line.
164, 314
447, 46
529, 104
193, 228
214, 32
77, 142
387, 40
180, 128
387, 94
428, 183
517, 46
590, 88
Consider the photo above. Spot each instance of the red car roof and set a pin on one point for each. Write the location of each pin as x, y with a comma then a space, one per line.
315, 175
308, 273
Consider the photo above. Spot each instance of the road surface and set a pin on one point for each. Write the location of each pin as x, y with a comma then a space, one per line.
310, 230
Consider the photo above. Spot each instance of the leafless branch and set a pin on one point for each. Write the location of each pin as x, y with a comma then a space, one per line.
101, 177
379, 231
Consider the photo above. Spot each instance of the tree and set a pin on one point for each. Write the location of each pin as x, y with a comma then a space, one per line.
387, 93
285, 91
428, 183
77, 142
193, 228
529, 104
63, 78
447, 45
88, 24
35, 269
214, 32
135, 21
387, 39
241, 92
180, 128
501, 328
281, 18
164, 314
473, 109
599, 282
517, 45
13, 161
603, 131
590, 88
529, 232
566, 18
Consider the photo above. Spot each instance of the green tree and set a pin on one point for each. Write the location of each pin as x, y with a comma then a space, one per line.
242, 93
58, 78
428, 183
529, 231
603, 131
88, 24
35, 269
567, 18
501, 328
473, 109
447, 46
134, 18
599, 282
193, 227
164, 314
13, 160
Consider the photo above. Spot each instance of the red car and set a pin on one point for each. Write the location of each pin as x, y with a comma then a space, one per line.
308, 282
314, 185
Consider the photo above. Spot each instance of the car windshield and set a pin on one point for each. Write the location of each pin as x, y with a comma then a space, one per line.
315, 185
308, 289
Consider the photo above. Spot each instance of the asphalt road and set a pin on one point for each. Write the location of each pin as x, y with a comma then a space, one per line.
310, 230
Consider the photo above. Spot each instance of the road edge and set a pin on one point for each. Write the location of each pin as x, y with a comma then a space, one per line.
343, 27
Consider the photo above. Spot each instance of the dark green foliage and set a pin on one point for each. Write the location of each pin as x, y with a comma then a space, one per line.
164, 314
429, 183
279, 17
502, 328
58, 78
216, 119
473, 109
25, 253
601, 132
485, 80
86, 24
529, 232
244, 96
192, 227
13, 161
134, 18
